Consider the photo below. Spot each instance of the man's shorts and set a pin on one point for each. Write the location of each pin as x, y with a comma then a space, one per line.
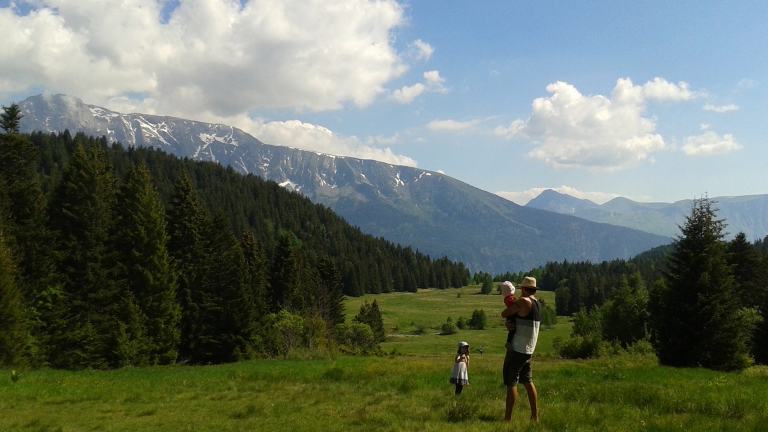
517, 368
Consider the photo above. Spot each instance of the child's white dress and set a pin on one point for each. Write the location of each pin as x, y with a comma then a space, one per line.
459, 375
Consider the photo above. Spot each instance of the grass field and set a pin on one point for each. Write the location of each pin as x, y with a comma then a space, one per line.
402, 393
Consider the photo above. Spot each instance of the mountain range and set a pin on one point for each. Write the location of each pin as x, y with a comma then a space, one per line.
747, 214
430, 211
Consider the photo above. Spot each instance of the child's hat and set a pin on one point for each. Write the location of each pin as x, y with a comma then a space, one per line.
507, 289
463, 344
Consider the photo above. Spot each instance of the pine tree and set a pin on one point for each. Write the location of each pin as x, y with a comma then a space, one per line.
697, 316
745, 260
371, 314
331, 297
226, 319
14, 336
187, 222
146, 268
257, 268
284, 275
626, 316
10, 118
82, 218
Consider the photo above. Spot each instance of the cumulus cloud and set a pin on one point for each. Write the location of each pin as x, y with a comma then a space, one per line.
221, 57
452, 125
709, 144
306, 136
433, 82
522, 198
571, 130
719, 109
422, 50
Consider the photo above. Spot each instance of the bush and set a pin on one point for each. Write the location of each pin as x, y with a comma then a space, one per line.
487, 285
421, 327
461, 323
354, 335
587, 324
371, 314
450, 328
548, 316
478, 320
579, 347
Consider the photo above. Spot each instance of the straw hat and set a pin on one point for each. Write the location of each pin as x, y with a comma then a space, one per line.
528, 282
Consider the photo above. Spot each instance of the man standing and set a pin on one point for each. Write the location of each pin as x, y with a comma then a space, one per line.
517, 363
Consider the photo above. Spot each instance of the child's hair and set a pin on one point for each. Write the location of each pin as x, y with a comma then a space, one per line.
462, 345
507, 289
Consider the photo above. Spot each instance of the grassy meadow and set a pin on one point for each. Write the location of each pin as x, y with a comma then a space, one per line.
324, 392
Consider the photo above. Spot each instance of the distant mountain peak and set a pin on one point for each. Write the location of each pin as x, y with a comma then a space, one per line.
430, 211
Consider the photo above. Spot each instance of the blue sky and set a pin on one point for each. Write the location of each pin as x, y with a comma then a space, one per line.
655, 101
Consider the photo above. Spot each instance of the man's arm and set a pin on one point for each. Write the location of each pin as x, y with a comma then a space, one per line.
521, 307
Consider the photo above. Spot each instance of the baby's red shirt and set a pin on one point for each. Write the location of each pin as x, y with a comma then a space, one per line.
509, 300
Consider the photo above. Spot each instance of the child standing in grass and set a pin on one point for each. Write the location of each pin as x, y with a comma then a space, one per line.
459, 377
508, 292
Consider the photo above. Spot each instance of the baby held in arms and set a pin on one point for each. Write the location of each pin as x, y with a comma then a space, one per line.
508, 292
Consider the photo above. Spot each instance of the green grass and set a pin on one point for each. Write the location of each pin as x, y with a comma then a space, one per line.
405, 393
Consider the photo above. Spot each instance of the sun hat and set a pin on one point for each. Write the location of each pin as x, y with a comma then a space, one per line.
507, 289
463, 344
528, 282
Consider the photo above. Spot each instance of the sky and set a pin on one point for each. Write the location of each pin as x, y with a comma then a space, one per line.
653, 101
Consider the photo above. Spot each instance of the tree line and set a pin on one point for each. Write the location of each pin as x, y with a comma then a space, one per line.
112, 257
707, 304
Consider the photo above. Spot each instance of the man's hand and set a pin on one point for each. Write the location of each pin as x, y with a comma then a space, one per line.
510, 326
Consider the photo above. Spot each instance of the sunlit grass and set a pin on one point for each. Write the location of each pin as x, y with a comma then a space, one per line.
402, 393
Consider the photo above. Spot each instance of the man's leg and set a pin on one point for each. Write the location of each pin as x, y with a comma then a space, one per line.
511, 399
533, 400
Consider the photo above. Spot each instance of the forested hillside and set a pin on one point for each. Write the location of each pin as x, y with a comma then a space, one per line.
114, 257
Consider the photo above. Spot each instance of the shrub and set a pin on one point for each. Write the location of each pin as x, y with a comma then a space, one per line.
548, 316
371, 314
354, 335
579, 347
421, 327
450, 328
461, 323
478, 320
487, 285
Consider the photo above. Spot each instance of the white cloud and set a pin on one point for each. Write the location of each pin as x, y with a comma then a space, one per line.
495, 73
522, 198
660, 89
571, 130
709, 144
433, 82
441, 172
423, 50
306, 136
452, 125
221, 57
746, 84
719, 109
703, 126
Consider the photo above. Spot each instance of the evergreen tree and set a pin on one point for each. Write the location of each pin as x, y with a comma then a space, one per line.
487, 285
625, 318
284, 276
146, 268
745, 260
10, 118
14, 336
697, 316
371, 314
227, 320
82, 217
257, 268
187, 221
331, 297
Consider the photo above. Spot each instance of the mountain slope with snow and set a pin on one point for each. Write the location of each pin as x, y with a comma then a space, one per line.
435, 213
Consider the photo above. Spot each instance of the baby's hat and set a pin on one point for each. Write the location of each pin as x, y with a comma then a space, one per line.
507, 289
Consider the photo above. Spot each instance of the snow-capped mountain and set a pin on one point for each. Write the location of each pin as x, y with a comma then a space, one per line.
435, 213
